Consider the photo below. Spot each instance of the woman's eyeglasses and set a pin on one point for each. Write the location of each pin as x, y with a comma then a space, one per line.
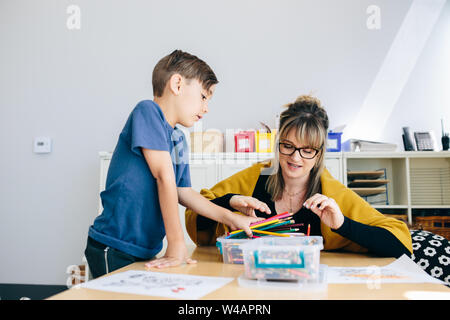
306, 153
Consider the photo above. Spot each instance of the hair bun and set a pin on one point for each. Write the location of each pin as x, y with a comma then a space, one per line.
308, 99
309, 106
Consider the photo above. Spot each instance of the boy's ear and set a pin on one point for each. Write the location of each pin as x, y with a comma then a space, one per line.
175, 83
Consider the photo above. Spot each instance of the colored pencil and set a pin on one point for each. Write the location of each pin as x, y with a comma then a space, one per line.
278, 216
287, 230
309, 229
283, 220
271, 233
257, 226
275, 225
289, 225
233, 233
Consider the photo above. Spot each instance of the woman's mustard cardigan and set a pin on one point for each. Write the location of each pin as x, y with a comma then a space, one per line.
350, 203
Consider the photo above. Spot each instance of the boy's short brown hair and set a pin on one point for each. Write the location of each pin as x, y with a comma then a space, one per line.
185, 64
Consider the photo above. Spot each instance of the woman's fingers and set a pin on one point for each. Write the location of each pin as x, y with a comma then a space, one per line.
243, 202
251, 213
265, 208
259, 205
309, 201
317, 201
249, 204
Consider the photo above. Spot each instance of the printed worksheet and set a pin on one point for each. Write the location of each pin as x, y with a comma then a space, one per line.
168, 285
402, 270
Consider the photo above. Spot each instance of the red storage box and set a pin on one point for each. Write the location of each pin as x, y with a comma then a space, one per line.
244, 141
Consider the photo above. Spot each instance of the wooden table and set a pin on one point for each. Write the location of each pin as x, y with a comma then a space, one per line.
210, 264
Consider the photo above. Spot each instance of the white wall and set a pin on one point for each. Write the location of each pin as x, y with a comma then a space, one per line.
425, 99
78, 87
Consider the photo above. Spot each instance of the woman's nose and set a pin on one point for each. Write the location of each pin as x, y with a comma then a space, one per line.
296, 155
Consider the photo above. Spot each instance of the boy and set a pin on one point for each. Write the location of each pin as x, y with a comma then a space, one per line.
149, 174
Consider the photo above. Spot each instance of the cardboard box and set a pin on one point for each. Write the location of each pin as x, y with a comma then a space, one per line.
210, 141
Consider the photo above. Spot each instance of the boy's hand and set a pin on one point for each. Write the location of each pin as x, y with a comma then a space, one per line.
176, 254
237, 221
248, 205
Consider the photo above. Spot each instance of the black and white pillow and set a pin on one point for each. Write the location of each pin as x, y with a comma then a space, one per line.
431, 252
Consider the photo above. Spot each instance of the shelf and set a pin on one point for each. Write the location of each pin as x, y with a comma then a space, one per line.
373, 155
365, 174
368, 191
431, 206
368, 183
390, 206
399, 154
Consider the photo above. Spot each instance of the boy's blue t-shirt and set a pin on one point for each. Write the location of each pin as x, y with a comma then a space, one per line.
131, 220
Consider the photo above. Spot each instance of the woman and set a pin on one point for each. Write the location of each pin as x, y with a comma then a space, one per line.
296, 181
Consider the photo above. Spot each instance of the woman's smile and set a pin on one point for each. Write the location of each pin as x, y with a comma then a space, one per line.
294, 166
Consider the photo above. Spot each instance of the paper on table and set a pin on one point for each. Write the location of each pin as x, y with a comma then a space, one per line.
159, 284
402, 270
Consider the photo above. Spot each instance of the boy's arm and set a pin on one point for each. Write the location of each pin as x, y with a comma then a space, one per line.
196, 202
160, 164
242, 183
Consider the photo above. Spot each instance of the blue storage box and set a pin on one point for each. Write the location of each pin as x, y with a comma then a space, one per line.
334, 142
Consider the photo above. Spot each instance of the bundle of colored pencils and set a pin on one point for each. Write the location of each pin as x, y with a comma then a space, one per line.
280, 225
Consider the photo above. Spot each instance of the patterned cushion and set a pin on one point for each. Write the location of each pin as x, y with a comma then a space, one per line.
431, 252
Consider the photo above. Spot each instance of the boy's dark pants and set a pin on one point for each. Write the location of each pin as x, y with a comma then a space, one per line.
103, 259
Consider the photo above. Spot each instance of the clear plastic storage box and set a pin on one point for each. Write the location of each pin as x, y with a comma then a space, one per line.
276, 258
230, 249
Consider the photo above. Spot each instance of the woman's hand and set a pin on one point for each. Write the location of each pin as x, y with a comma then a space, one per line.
176, 254
238, 221
248, 205
327, 209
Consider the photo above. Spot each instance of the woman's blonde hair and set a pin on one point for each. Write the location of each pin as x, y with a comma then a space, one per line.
310, 121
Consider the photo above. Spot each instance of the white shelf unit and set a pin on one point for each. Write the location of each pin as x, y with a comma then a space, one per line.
418, 180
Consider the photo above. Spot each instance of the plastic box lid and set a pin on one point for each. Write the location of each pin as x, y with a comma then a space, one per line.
272, 243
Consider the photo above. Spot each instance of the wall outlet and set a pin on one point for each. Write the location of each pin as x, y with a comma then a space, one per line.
42, 145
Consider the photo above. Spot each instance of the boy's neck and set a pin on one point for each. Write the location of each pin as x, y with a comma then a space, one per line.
167, 109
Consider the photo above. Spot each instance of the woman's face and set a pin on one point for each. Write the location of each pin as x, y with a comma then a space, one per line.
294, 166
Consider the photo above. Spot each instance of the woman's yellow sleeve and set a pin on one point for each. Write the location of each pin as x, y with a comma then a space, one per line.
356, 208
242, 183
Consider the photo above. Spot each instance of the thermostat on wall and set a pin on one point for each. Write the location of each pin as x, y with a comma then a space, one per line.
42, 145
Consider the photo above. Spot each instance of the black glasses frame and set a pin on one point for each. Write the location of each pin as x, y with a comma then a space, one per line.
299, 151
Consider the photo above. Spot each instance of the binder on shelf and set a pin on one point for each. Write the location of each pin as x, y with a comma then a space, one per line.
356, 145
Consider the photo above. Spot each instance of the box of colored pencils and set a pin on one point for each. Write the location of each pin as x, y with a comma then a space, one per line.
279, 258
281, 225
230, 249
